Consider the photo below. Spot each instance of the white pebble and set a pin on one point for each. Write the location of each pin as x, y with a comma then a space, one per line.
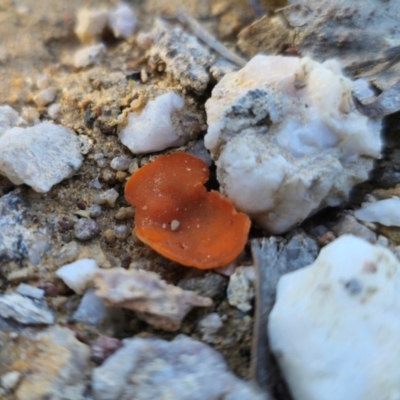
45, 96
122, 21
89, 55
78, 275
8, 118
335, 327
54, 111
42, 81
120, 163
108, 197
30, 291
152, 129
10, 380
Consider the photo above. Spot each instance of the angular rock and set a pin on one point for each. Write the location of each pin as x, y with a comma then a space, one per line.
91, 309
287, 139
25, 310
159, 304
53, 365
344, 309
122, 21
152, 129
90, 24
183, 369
39, 156
16, 240
385, 212
241, 288
184, 58
79, 274
30, 291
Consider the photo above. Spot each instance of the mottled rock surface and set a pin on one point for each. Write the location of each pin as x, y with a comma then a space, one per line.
183, 369
159, 304
39, 156
184, 58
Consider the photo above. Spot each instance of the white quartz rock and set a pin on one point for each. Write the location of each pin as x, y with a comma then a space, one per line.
79, 274
89, 55
122, 21
287, 139
335, 327
8, 118
152, 129
385, 212
39, 156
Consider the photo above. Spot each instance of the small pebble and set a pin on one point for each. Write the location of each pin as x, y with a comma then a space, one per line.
108, 176
133, 167
143, 75
54, 111
103, 347
95, 211
10, 380
122, 21
174, 225
210, 324
86, 229
121, 232
120, 163
326, 238
144, 40
96, 183
121, 176
91, 24
30, 291
109, 236
108, 197
100, 160
124, 213
89, 55
42, 81
30, 114
46, 96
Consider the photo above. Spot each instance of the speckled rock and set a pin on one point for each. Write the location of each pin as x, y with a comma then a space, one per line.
287, 139
53, 366
86, 229
344, 309
241, 288
183, 369
16, 240
159, 304
186, 60
25, 310
39, 156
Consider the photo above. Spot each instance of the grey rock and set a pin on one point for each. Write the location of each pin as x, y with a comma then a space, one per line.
120, 163
211, 285
209, 325
184, 58
25, 310
86, 229
95, 211
183, 369
349, 225
221, 67
16, 240
91, 309
39, 156
274, 257
30, 291
241, 288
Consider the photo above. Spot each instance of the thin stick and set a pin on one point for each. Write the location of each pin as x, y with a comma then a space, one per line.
208, 39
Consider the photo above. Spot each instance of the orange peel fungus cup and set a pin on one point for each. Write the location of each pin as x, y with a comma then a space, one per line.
177, 217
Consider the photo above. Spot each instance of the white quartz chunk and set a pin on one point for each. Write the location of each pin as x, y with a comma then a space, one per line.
122, 21
39, 156
8, 118
89, 55
335, 327
287, 139
152, 129
79, 274
385, 212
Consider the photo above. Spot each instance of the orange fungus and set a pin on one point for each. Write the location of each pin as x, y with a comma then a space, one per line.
178, 217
